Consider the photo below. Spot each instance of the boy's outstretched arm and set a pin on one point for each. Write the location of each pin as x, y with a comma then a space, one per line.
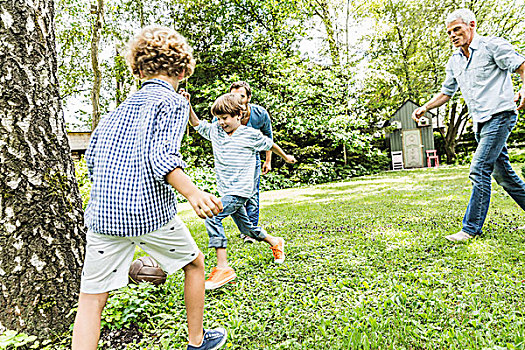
204, 204
278, 150
194, 120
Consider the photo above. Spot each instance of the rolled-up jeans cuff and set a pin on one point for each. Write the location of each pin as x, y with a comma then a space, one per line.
216, 242
256, 234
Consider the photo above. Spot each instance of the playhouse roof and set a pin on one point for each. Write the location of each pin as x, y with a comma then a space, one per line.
409, 101
412, 104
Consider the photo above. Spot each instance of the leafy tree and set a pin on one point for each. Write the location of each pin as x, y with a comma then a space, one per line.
256, 41
410, 44
41, 231
74, 66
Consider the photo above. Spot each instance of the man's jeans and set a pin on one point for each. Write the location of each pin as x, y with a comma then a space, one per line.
491, 158
252, 204
234, 206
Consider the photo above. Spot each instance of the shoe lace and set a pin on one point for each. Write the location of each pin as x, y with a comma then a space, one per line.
213, 273
277, 253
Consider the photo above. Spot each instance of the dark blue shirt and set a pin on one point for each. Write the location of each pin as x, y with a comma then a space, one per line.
260, 120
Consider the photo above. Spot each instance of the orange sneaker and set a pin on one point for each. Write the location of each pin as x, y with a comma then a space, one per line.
278, 251
219, 276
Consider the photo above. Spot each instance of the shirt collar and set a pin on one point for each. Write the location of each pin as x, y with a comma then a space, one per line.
474, 44
159, 82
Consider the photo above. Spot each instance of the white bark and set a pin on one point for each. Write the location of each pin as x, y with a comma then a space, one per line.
41, 231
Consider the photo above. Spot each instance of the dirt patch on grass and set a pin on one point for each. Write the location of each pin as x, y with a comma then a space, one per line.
118, 339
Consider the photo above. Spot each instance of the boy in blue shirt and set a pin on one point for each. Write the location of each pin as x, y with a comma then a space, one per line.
234, 150
134, 161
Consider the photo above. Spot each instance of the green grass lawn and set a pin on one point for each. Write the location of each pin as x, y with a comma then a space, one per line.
367, 267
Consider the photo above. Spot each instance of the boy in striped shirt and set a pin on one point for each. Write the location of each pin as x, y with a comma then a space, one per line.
234, 149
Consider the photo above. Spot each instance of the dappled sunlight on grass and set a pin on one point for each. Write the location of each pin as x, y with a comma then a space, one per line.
397, 237
481, 248
411, 183
368, 258
330, 195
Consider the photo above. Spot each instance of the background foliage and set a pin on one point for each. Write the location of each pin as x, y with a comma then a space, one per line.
363, 58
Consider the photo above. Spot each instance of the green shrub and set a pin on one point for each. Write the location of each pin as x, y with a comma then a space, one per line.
203, 178
132, 304
319, 172
463, 158
523, 171
517, 158
315, 173
84, 185
13, 340
275, 180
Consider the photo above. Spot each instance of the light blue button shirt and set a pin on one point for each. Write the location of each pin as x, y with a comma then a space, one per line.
485, 77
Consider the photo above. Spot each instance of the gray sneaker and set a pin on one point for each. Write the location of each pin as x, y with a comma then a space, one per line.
247, 239
459, 237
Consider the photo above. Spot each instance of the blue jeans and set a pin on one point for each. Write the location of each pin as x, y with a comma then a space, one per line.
252, 204
232, 206
491, 158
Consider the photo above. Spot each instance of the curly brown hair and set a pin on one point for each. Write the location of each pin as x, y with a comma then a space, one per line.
230, 104
160, 50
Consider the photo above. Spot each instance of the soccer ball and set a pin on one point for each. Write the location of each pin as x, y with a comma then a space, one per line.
145, 269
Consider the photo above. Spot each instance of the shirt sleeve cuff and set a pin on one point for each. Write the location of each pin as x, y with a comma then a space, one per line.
518, 64
168, 165
448, 91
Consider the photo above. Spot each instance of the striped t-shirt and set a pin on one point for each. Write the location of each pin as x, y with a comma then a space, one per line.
235, 156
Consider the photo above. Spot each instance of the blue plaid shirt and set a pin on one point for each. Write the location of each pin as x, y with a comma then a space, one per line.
129, 154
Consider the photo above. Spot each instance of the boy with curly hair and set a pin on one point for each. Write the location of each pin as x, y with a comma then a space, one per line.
134, 161
234, 149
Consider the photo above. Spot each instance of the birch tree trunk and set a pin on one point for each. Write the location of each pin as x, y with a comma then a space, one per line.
41, 230
97, 74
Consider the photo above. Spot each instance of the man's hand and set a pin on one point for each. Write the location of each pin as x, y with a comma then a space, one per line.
290, 159
520, 96
205, 204
267, 166
185, 94
419, 112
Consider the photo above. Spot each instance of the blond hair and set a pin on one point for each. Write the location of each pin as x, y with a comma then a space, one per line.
160, 50
230, 104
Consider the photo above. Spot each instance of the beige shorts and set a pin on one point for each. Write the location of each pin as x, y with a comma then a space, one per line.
108, 258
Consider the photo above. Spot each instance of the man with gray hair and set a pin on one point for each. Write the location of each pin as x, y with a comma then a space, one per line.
481, 68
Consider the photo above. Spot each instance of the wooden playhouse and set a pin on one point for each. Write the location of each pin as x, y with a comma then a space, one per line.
411, 144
